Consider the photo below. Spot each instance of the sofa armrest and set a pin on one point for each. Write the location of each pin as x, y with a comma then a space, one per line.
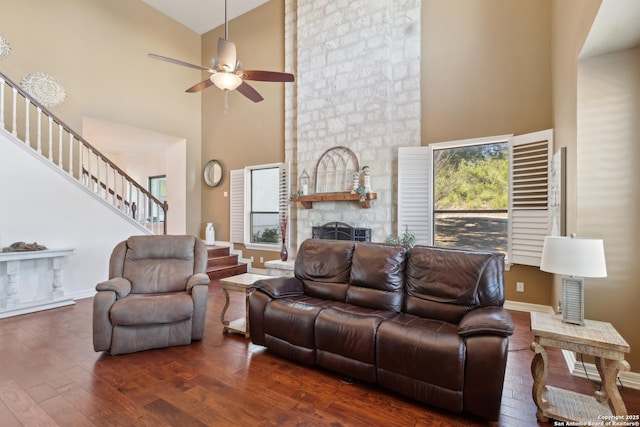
280, 287
119, 285
196, 280
491, 320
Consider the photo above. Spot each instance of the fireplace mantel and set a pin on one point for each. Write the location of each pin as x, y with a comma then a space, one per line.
307, 201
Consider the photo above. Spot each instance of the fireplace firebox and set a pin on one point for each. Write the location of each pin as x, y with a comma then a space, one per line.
341, 231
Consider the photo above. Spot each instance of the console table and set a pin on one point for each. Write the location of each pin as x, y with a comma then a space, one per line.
598, 339
32, 281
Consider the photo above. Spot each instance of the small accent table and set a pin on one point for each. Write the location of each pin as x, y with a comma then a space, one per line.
598, 339
240, 283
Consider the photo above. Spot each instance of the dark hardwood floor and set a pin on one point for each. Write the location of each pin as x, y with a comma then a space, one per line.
50, 376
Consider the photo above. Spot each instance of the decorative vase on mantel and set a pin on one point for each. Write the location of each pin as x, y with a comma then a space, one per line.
284, 254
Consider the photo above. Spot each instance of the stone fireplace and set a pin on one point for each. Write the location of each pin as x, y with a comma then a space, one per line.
357, 68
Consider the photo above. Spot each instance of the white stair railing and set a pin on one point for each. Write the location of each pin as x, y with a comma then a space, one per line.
72, 154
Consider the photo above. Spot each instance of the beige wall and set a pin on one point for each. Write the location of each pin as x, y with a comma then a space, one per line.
571, 21
486, 71
249, 133
608, 190
97, 50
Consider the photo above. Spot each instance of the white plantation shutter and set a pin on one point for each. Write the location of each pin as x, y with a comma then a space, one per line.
529, 161
415, 209
237, 209
284, 191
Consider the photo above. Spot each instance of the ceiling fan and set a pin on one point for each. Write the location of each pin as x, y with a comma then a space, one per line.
226, 72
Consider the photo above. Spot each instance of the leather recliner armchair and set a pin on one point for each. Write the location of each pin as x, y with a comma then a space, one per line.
156, 295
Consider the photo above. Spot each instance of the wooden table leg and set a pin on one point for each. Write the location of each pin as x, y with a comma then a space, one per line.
225, 323
540, 371
608, 370
247, 293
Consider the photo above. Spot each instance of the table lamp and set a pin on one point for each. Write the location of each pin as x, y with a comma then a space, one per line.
577, 258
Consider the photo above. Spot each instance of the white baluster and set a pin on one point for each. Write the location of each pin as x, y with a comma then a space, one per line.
2, 83
123, 206
27, 136
70, 153
115, 188
89, 169
50, 139
80, 160
14, 126
106, 180
39, 130
60, 148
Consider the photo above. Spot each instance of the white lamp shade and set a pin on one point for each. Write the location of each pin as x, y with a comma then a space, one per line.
225, 80
573, 257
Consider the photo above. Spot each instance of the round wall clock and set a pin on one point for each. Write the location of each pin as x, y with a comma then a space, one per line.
213, 173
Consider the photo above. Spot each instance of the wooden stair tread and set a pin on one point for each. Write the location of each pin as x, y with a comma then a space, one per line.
221, 263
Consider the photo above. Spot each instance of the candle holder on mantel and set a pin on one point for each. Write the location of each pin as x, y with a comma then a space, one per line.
305, 183
367, 179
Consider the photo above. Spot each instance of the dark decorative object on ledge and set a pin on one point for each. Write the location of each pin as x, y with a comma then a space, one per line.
24, 247
284, 254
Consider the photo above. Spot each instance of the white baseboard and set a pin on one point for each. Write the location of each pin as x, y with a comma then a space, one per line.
589, 371
628, 379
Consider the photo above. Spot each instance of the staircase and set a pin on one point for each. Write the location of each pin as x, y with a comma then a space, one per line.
221, 263
35, 127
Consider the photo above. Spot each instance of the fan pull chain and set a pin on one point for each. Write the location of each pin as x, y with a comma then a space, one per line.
226, 101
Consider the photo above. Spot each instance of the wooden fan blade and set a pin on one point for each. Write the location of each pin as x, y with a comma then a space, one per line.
178, 62
249, 92
267, 76
227, 54
200, 86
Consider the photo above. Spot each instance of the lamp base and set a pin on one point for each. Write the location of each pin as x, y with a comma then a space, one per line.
573, 300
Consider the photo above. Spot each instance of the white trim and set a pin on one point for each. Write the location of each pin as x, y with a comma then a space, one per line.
528, 307
629, 379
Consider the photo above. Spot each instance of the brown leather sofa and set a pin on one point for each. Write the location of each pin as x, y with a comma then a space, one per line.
156, 295
425, 322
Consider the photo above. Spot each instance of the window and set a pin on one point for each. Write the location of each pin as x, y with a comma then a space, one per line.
452, 194
259, 203
158, 189
264, 207
471, 195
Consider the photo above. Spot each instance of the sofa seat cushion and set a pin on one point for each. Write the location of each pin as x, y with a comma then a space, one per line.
291, 319
147, 309
429, 351
346, 339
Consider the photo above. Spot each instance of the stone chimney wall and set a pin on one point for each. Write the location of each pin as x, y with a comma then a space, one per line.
357, 68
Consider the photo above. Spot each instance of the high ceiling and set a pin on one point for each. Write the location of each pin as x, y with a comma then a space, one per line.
203, 15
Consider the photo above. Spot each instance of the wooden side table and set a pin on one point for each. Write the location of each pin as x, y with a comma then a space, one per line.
240, 283
598, 339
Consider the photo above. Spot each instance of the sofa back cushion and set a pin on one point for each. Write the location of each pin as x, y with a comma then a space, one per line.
324, 267
157, 264
377, 276
444, 283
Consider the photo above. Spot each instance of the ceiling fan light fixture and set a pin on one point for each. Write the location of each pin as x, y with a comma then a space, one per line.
226, 81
